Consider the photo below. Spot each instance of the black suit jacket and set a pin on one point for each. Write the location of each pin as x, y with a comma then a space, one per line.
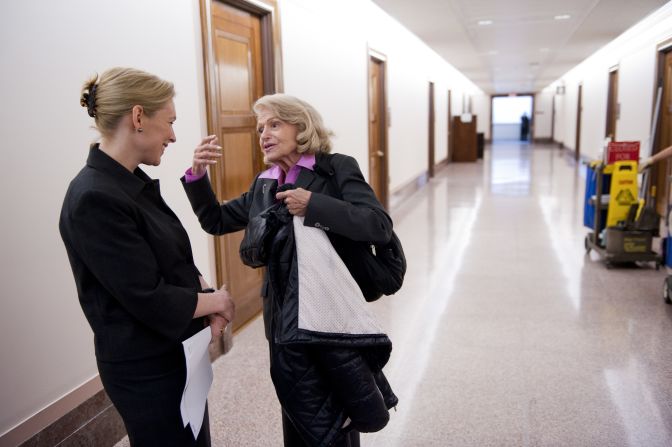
346, 210
132, 261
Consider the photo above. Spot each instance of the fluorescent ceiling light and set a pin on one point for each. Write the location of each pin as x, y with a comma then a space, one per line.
562, 17
485, 22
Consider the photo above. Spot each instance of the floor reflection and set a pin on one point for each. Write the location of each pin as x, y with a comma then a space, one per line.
510, 171
505, 333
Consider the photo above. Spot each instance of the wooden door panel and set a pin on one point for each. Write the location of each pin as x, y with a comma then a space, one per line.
237, 162
246, 284
236, 95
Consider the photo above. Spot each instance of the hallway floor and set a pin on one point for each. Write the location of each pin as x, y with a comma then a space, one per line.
505, 333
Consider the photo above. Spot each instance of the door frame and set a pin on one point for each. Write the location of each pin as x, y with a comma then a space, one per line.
579, 111
384, 118
271, 60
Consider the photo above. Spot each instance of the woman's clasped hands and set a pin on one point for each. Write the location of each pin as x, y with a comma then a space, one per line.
225, 314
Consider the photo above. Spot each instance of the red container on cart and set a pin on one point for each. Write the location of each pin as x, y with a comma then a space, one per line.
622, 151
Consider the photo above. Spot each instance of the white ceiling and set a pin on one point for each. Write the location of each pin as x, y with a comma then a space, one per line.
525, 48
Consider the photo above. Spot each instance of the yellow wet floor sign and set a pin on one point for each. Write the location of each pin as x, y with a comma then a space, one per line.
623, 191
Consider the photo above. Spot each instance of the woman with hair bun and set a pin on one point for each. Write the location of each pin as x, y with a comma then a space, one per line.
132, 262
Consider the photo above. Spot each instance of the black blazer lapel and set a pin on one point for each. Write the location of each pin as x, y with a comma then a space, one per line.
305, 179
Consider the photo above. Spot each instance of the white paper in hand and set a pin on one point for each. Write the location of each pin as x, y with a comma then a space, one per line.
199, 379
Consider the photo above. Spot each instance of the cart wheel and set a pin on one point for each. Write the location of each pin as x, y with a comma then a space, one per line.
609, 265
666, 292
586, 244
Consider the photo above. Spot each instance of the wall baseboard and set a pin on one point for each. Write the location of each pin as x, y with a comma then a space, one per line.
402, 193
441, 164
82, 417
83, 412
543, 140
94, 422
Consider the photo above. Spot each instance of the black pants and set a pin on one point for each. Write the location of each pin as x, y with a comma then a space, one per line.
147, 394
293, 439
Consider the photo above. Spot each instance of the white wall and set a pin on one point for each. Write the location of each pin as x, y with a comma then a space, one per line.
480, 106
634, 52
47, 347
48, 50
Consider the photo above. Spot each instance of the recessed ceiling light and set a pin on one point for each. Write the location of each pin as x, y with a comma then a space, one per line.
485, 22
544, 50
492, 52
562, 17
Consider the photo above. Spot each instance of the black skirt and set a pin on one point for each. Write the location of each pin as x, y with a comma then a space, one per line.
147, 394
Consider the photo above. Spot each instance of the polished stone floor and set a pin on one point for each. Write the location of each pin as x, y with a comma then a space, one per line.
505, 333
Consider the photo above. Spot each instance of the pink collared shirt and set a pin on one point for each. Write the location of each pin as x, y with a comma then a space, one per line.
275, 172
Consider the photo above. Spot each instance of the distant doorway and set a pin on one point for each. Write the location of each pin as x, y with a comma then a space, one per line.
512, 118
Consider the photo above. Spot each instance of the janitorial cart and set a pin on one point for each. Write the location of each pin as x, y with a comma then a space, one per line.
622, 224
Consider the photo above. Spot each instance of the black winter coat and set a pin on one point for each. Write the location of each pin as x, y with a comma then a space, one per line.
320, 376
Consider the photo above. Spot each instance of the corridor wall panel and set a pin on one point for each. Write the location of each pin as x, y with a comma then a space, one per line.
48, 50
634, 52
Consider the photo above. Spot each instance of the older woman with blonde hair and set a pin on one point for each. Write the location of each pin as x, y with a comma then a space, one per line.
131, 258
330, 385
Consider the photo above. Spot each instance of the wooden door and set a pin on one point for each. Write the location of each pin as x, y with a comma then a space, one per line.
664, 135
579, 109
431, 158
236, 44
378, 151
553, 119
612, 105
450, 126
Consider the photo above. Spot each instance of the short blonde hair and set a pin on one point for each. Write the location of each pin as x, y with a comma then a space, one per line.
312, 136
112, 95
